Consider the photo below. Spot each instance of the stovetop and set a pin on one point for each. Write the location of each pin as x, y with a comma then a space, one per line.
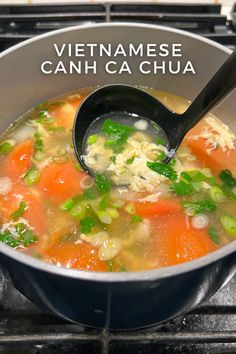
20, 22
24, 329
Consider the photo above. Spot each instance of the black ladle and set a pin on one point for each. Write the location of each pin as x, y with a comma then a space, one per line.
123, 99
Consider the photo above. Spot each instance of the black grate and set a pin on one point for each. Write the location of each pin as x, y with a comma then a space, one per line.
20, 22
209, 329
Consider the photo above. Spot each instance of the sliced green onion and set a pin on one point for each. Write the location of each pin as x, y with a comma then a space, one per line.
38, 145
20, 211
90, 193
92, 139
104, 216
229, 224
213, 233
39, 156
67, 205
6, 147
78, 211
113, 213
104, 202
217, 194
32, 176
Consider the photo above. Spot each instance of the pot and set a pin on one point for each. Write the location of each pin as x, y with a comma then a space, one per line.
112, 300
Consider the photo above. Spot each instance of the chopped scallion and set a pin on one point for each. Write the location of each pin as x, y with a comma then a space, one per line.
20, 211
213, 233
32, 176
86, 224
6, 147
92, 139
229, 224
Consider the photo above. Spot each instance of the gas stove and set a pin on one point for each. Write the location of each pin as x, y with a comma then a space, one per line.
23, 327
20, 22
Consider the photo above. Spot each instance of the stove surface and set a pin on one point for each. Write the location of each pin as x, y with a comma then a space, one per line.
25, 329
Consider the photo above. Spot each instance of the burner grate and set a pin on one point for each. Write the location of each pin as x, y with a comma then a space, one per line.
20, 22
208, 329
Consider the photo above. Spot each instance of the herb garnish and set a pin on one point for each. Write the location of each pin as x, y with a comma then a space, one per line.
213, 233
6, 147
20, 211
18, 235
163, 169
103, 184
86, 224
200, 206
227, 178
117, 135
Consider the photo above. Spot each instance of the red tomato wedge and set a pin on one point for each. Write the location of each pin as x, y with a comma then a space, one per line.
70, 255
147, 209
59, 182
34, 214
19, 160
176, 241
65, 114
217, 160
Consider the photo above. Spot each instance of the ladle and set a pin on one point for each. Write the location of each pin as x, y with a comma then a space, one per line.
133, 103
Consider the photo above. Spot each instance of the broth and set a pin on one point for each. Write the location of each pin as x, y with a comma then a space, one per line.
139, 215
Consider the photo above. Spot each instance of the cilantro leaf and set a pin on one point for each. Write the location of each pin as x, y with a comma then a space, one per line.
227, 178
117, 135
103, 184
86, 224
182, 188
18, 235
163, 169
213, 233
200, 206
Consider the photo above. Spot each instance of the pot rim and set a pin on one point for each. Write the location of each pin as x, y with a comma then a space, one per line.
117, 277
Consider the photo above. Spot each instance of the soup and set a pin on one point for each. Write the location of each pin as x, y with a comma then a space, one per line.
136, 213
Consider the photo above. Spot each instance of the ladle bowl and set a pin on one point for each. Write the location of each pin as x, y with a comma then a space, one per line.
136, 104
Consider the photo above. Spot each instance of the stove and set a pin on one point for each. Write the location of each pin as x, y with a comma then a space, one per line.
24, 329
20, 22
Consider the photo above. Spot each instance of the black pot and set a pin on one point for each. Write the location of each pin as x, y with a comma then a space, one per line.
112, 300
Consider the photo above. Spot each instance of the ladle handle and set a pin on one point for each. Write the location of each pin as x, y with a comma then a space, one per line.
218, 87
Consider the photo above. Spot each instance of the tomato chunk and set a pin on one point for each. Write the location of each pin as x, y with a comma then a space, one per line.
59, 182
34, 213
65, 114
176, 241
19, 160
81, 256
160, 207
217, 159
